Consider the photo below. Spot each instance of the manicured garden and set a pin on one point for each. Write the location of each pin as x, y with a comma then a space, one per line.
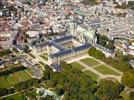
12, 79
90, 62
106, 71
91, 74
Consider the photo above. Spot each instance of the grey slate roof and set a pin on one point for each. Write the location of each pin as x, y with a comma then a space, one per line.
61, 53
82, 47
69, 51
52, 43
41, 44
56, 67
19, 47
65, 38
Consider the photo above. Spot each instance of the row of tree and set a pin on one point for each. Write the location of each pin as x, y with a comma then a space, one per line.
20, 86
71, 82
105, 42
5, 91
130, 5
90, 2
131, 95
109, 90
120, 61
12, 70
75, 85
5, 52
1, 5
128, 78
26, 84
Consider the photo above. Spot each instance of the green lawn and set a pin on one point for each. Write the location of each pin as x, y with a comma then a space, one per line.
30, 71
18, 96
4, 83
90, 62
12, 79
105, 70
44, 56
77, 65
91, 74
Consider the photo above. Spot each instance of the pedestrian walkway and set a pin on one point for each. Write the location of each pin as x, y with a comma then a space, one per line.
107, 65
101, 76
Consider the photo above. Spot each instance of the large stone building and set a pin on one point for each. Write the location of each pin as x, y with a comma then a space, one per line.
64, 48
84, 35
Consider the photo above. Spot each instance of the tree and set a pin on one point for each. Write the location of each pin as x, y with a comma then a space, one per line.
41, 93
131, 4
26, 49
128, 78
46, 75
90, 2
12, 70
5, 52
3, 91
48, 97
72, 81
123, 65
64, 65
120, 61
108, 89
60, 92
110, 45
131, 95
96, 53
1, 5
34, 43
105, 42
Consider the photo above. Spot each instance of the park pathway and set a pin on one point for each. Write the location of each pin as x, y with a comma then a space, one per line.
89, 68
106, 65
101, 76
